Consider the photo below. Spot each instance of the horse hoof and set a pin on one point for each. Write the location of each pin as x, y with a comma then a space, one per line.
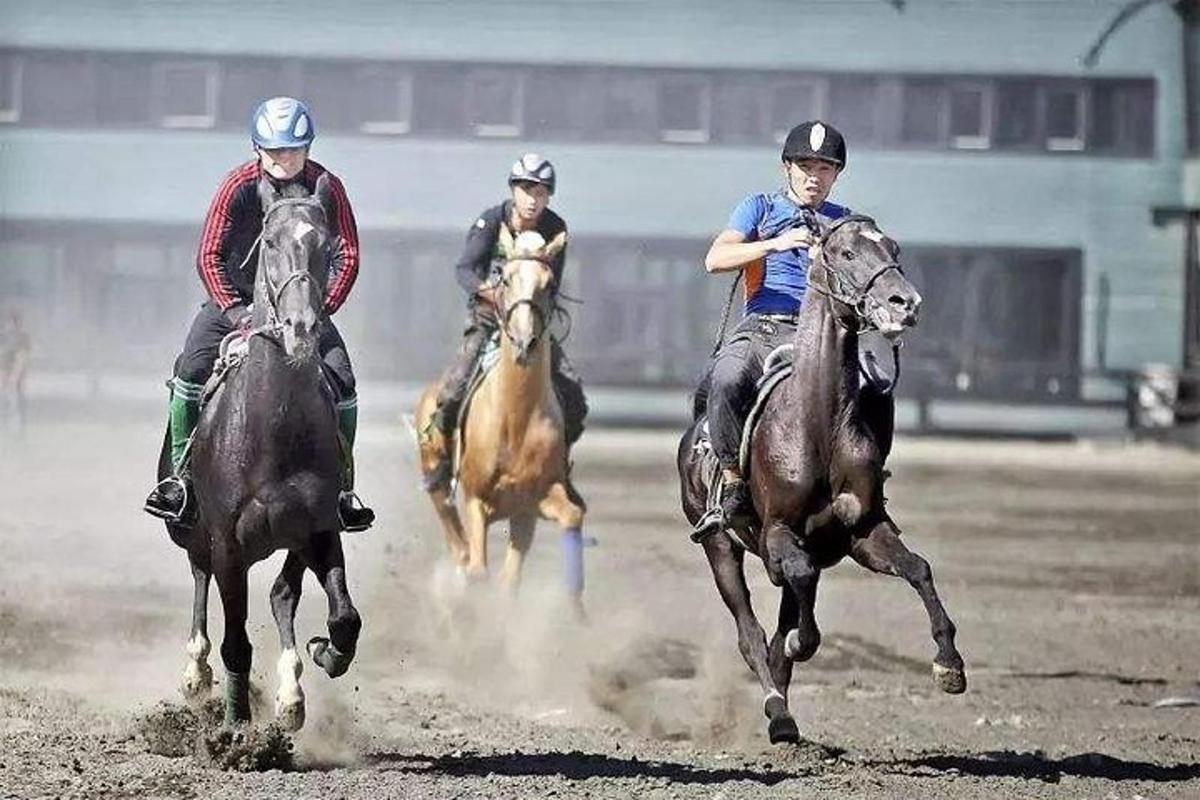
327, 657
783, 730
781, 727
197, 683
949, 679
290, 716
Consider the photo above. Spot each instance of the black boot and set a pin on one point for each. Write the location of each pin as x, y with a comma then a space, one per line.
353, 514
170, 500
439, 477
735, 509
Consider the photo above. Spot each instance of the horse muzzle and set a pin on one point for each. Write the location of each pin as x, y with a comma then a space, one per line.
299, 340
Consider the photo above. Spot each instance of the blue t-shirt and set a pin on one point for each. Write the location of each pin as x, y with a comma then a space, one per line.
775, 284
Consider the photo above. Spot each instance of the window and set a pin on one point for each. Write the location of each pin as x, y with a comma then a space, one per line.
1122, 118
1017, 114
922, 113
685, 109
244, 84
1064, 118
853, 108
970, 116
438, 104
56, 89
630, 106
795, 102
385, 97
123, 91
494, 100
325, 93
561, 103
10, 87
740, 112
186, 94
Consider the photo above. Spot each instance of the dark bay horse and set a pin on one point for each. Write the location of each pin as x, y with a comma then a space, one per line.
265, 468
816, 469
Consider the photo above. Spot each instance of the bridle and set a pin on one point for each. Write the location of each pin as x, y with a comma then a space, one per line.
838, 286
274, 292
541, 310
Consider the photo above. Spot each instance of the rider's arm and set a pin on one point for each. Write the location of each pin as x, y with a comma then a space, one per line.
475, 263
344, 270
739, 245
212, 258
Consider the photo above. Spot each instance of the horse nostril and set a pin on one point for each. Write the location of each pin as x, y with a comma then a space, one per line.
897, 300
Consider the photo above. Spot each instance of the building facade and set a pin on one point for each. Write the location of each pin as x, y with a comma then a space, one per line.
1019, 182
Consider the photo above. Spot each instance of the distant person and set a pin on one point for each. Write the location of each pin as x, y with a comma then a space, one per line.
15, 347
281, 130
531, 183
768, 237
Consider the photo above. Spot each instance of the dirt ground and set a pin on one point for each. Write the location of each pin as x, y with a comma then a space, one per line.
1071, 569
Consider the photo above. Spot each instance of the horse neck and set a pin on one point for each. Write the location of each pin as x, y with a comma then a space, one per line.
522, 388
825, 364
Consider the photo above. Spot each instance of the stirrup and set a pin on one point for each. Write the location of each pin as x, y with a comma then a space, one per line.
170, 516
712, 522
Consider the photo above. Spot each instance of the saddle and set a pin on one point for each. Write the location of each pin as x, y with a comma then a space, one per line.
233, 351
776, 369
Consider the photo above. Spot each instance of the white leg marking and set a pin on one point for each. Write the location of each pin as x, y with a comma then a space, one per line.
289, 700
791, 643
197, 675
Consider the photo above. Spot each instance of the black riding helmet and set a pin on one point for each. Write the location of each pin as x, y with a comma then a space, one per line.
815, 139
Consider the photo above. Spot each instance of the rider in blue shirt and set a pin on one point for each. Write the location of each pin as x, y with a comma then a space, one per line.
767, 237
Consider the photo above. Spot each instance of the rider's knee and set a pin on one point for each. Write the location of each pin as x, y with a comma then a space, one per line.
194, 368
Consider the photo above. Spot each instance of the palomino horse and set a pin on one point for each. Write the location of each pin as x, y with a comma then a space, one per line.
265, 466
513, 461
816, 469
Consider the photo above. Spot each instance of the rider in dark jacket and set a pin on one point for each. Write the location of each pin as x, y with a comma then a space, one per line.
282, 130
531, 181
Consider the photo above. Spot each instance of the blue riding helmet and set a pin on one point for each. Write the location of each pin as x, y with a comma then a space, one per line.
282, 122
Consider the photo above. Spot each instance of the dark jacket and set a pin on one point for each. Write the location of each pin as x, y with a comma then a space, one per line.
481, 258
234, 222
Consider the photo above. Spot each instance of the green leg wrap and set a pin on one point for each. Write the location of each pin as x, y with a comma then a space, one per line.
184, 414
347, 417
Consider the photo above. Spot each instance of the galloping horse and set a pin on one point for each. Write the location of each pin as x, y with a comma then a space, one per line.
513, 461
264, 462
816, 469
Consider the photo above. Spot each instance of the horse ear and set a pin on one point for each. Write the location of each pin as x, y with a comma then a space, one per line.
268, 195
323, 192
555, 246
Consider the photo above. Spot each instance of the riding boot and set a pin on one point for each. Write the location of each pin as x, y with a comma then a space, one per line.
353, 514
169, 500
734, 509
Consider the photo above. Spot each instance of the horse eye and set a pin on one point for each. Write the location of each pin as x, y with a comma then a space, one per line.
849, 255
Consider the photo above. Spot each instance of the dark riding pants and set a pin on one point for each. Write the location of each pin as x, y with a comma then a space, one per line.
480, 327
733, 376
210, 327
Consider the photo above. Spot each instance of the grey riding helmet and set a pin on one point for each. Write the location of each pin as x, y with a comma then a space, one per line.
532, 168
815, 139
